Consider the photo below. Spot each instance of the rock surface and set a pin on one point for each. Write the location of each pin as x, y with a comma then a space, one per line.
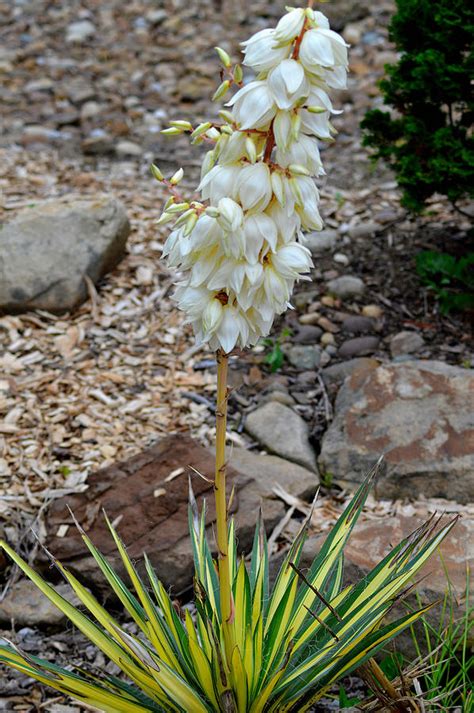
26, 606
46, 252
149, 493
359, 346
420, 416
346, 286
282, 431
321, 241
406, 343
372, 539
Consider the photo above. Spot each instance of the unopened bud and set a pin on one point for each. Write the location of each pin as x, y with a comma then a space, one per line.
164, 218
178, 208
227, 130
295, 126
250, 150
298, 170
212, 212
277, 187
238, 74
296, 191
181, 124
171, 201
201, 129
177, 177
221, 90
156, 172
172, 131
190, 223
183, 218
223, 56
227, 116
316, 109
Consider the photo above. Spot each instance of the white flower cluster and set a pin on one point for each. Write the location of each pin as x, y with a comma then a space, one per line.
240, 249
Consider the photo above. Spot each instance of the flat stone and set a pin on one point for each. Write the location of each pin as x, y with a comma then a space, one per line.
359, 346
354, 324
346, 286
321, 241
304, 356
128, 148
282, 431
153, 512
419, 416
46, 252
406, 343
80, 31
25, 604
372, 539
307, 334
335, 375
267, 472
100, 144
365, 230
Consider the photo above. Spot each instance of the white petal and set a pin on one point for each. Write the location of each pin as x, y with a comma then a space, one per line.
287, 83
290, 25
229, 329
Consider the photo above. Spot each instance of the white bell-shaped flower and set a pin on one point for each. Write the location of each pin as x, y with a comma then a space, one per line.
261, 51
290, 26
253, 105
288, 83
253, 186
304, 152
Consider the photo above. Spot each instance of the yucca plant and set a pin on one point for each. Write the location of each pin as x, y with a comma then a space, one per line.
248, 648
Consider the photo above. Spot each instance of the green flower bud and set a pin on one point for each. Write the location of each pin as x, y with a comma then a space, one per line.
223, 56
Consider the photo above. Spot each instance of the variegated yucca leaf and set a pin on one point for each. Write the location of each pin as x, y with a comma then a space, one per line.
289, 644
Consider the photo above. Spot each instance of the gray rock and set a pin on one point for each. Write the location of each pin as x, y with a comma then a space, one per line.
46, 252
282, 431
420, 416
406, 343
307, 334
371, 540
359, 346
354, 324
128, 148
304, 298
99, 144
322, 241
346, 286
335, 375
365, 230
27, 606
304, 356
80, 31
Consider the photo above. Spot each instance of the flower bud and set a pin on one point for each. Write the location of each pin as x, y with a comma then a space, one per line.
164, 218
172, 131
238, 74
183, 218
226, 116
177, 177
250, 149
181, 124
221, 90
290, 26
190, 223
156, 172
201, 129
316, 109
177, 208
212, 212
223, 56
298, 170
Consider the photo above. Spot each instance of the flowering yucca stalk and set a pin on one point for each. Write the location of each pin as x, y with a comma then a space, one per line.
249, 648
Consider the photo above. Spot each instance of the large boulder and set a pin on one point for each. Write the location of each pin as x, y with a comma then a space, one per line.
46, 252
417, 414
147, 496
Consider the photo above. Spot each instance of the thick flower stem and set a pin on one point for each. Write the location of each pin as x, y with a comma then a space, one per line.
221, 501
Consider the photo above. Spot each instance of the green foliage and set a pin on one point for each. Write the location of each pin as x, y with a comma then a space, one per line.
345, 701
275, 357
289, 643
449, 663
429, 142
451, 279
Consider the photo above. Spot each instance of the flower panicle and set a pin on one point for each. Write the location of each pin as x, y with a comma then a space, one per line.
240, 248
